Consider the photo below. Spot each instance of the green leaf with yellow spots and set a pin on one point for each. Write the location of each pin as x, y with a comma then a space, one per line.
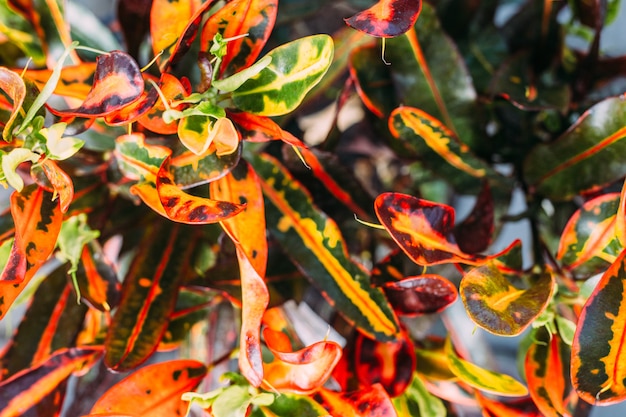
483, 379
149, 295
598, 353
295, 69
313, 241
499, 307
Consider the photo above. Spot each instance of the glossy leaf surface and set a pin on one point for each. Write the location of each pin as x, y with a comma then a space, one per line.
547, 373
117, 82
149, 295
61, 182
424, 294
289, 404
281, 86
598, 348
26, 389
421, 228
499, 307
38, 221
483, 379
75, 80
255, 18
387, 18
152, 391
368, 401
315, 243
97, 278
589, 242
190, 170
416, 400
568, 166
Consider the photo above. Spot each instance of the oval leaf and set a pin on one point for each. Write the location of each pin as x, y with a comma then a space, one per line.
494, 304
568, 166
280, 87
314, 242
424, 294
598, 348
387, 18
152, 391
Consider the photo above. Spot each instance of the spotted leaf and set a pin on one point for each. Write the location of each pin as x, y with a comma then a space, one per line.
152, 391
97, 278
598, 348
365, 402
190, 170
148, 295
255, 18
117, 83
37, 225
281, 86
320, 251
499, 307
387, 18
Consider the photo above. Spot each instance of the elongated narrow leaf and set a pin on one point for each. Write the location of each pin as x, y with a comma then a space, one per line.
366, 402
75, 80
547, 373
589, 242
598, 348
301, 372
256, 128
152, 391
13, 86
372, 80
387, 18
416, 400
168, 20
52, 322
117, 82
315, 244
26, 389
483, 379
432, 360
255, 18
97, 278
149, 296
62, 185
38, 221
523, 407
568, 166
281, 86
475, 233
421, 228
497, 306
439, 139
390, 364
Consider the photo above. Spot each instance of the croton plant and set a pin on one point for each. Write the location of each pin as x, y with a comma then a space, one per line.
163, 193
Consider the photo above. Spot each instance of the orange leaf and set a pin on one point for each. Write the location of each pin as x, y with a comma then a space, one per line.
367, 402
387, 18
152, 391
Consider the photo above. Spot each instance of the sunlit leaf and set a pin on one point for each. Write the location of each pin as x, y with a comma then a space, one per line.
168, 20
26, 389
11, 161
432, 360
75, 80
172, 89
138, 160
51, 322
256, 128
589, 242
483, 379
390, 364
366, 402
117, 82
37, 224
499, 307
597, 352
303, 371
568, 166
148, 296
61, 182
387, 18
190, 170
290, 404
13, 86
281, 86
153, 391
315, 244
252, 17
416, 400
547, 373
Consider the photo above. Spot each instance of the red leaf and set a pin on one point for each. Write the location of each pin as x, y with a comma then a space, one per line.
117, 83
424, 294
256, 128
475, 233
387, 18
367, 402
389, 363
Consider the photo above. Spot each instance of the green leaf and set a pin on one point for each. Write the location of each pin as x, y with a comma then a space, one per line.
280, 87
314, 242
149, 295
598, 350
287, 404
11, 161
236, 80
497, 306
416, 400
483, 379
235, 400
568, 166
60, 147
